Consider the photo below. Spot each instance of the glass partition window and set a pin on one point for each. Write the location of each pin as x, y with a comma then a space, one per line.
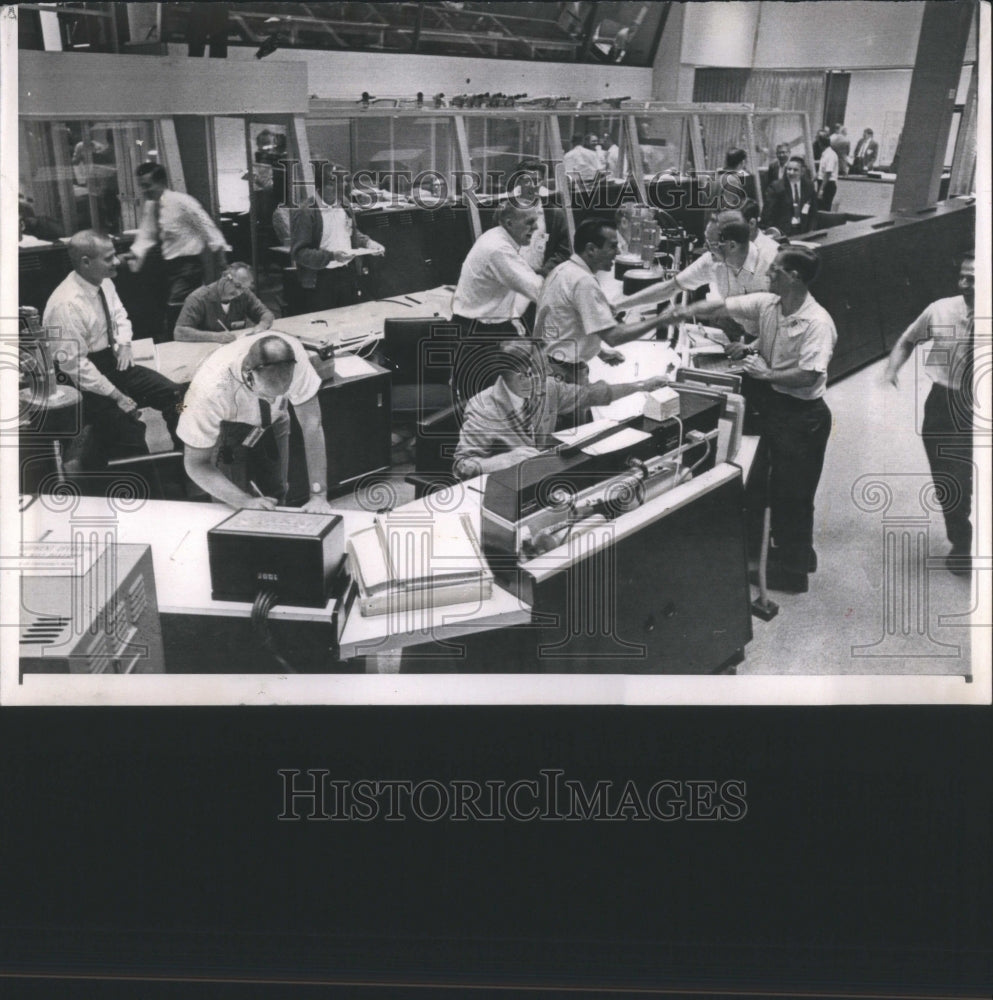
773, 131
80, 174
498, 145
601, 133
665, 144
392, 160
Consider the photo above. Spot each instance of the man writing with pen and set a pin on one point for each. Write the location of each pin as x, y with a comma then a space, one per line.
224, 310
235, 424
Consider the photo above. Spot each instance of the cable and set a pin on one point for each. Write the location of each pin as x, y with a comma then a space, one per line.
265, 600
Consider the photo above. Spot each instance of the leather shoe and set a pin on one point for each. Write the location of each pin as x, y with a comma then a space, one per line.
783, 580
774, 556
959, 562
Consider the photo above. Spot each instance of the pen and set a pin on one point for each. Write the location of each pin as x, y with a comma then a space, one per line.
412, 299
255, 489
223, 327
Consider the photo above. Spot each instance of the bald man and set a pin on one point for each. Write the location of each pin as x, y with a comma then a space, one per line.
236, 426
86, 314
224, 310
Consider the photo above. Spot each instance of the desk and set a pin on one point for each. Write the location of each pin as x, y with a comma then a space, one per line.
364, 320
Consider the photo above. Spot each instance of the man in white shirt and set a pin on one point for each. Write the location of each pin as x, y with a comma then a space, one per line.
574, 317
495, 286
732, 265
236, 426
827, 176
192, 246
323, 244
789, 364
86, 315
612, 156
947, 427
581, 162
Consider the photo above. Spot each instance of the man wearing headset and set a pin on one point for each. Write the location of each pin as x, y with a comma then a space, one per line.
236, 426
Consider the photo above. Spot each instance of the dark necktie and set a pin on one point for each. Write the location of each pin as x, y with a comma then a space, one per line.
796, 194
106, 316
265, 413
157, 215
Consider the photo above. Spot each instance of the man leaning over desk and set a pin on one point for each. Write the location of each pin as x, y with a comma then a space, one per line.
236, 426
224, 310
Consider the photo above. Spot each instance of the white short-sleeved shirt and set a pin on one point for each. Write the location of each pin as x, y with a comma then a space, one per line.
572, 308
725, 282
805, 339
947, 324
495, 283
218, 393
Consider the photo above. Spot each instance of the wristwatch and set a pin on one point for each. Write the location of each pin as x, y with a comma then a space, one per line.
317, 489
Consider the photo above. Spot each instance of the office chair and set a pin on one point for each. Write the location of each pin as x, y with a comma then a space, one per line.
436, 439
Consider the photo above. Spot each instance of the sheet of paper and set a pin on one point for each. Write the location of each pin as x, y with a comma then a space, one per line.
350, 365
624, 438
571, 435
143, 351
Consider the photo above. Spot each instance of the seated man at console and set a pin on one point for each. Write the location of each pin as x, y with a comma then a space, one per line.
85, 313
236, 426
224, 310
323, 241
514, 418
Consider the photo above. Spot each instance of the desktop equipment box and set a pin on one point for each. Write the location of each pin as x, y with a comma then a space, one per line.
297, 555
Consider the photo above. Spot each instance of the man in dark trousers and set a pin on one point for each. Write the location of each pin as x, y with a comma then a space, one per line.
866, 151
788, 364
192, 246
323, 244
791, 203
948, 412
85, 313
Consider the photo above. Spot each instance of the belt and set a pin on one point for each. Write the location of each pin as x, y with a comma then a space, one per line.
793, 402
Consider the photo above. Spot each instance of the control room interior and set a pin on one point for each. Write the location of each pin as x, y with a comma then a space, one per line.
428, 108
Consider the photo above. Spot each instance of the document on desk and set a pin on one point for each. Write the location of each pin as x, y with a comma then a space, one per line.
143, 352
350, 366
406, 564
624, 438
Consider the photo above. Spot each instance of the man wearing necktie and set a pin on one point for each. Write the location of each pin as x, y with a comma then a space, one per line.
948, 412
791, 203
86, 315
515, 417
192, 247
865, 154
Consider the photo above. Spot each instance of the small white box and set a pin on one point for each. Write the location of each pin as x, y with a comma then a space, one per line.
661, 404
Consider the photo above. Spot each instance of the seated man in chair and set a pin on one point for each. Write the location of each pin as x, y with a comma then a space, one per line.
514, 418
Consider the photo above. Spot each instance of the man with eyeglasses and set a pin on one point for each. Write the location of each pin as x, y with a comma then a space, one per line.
236, 426
225, 310
788, 365
948, 412
732, 265
514, 418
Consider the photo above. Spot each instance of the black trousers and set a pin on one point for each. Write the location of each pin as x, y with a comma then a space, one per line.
479, 343
333, 289
791, 457
828, 191
116, 433
947, 434
185, 275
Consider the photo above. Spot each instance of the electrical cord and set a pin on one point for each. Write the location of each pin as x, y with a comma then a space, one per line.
265, 600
